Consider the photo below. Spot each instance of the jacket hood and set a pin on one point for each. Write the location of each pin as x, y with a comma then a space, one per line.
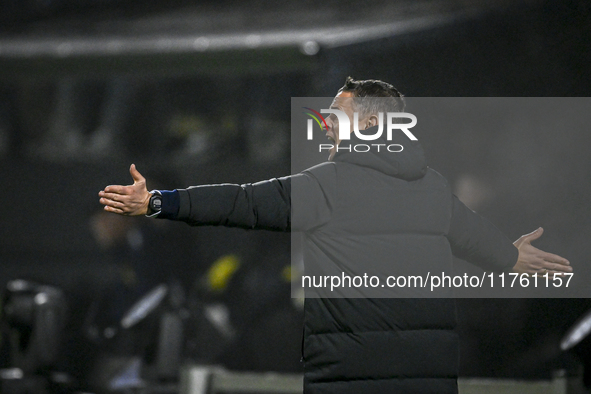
408, 164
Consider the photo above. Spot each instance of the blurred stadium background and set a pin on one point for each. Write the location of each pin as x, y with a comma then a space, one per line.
199, 92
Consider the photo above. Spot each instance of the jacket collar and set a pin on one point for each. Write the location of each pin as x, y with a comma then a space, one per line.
408, 164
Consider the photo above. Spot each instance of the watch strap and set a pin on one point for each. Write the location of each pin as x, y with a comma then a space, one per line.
153, 210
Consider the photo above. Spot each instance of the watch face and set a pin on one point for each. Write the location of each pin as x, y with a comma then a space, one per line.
156, 203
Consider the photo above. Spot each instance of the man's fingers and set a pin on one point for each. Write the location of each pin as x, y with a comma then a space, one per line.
551, 262
112, 203
118, 189
135, 174
551, 269
553, 258
114, 196
109, 208
115, 206
544, 266
558, 268
551, 274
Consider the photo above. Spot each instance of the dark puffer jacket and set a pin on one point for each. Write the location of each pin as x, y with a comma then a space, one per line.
383, 213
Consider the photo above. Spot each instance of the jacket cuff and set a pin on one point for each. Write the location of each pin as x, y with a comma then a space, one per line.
170, 205
512, 255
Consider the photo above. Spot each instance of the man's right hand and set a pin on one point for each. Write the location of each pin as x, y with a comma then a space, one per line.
532, 260
131, 200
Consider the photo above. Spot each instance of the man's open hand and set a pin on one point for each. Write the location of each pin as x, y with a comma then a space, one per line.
532, 260
129, 200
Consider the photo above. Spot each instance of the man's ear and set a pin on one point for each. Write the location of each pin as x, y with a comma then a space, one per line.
372, 121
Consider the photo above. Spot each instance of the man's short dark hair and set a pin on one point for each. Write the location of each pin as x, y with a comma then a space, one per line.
371, 96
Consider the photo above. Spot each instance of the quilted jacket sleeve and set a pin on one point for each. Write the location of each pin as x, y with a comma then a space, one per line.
476, 240
262, 205
298, 202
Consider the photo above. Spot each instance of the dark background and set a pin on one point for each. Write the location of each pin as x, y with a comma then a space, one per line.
76, 112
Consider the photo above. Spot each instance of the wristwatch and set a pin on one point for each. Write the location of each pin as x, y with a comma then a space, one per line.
155, 203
